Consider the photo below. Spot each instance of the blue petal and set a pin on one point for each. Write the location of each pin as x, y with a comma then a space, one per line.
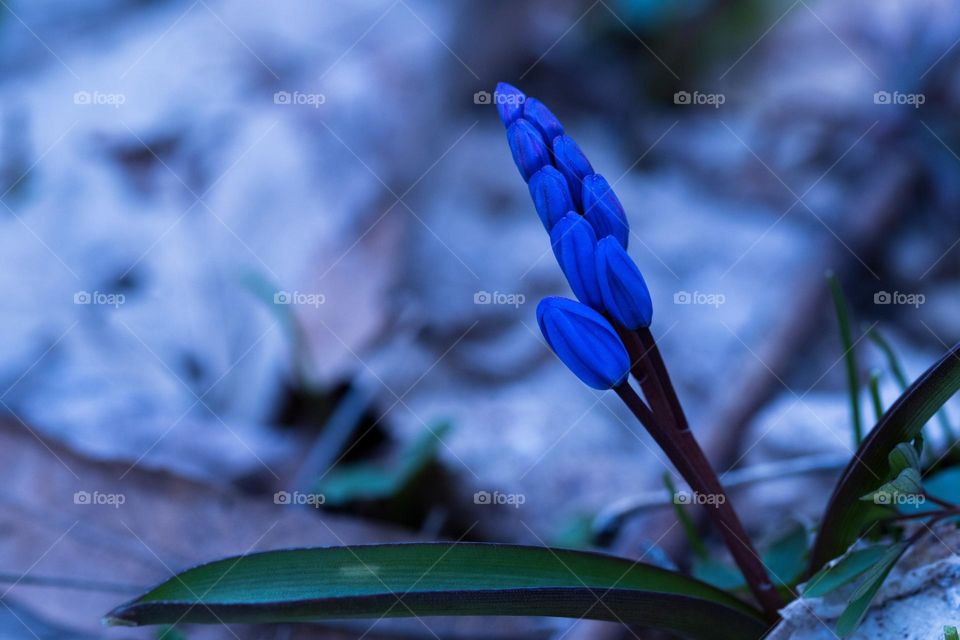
584, 341
542, 118
551, 196
624, 292
574, 245
509, 101
603, 209
528, 149
572, 164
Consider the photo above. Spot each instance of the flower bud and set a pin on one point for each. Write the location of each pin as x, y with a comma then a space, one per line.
542, 118
622, 288
584, 341
575, 245
528, 149
572, 164
551, 196
603, 209
509, 101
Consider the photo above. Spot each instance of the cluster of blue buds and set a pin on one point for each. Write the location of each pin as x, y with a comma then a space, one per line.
588, 232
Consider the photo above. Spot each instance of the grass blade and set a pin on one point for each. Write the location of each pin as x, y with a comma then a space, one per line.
849, 356
874, 384
690, 529
863, 596
848, 568
894, 364
401, 580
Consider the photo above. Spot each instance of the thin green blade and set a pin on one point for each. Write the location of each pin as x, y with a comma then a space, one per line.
849, 567
870, 467
400, 580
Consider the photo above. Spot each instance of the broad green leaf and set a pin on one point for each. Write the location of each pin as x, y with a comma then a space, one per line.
904, 456
907, 483
401, 580
846, 513
950, 633
872, 581
849, 356
850, 566
365, 481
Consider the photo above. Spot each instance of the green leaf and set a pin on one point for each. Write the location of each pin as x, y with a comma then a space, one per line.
904, 456
950, 633
907, 483
846, 513
863, 596
849, 356
365, 481
850, 566
402, 580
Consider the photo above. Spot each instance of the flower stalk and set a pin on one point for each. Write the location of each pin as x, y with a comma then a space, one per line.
669, 418
605, 337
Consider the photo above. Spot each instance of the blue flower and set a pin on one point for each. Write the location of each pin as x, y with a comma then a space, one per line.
542, 118
551, 196
584, 341
572, 164
528, 149
603, 209
509, 101
624, 292
574, 245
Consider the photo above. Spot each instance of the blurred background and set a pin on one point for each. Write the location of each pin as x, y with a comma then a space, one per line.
269, 275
